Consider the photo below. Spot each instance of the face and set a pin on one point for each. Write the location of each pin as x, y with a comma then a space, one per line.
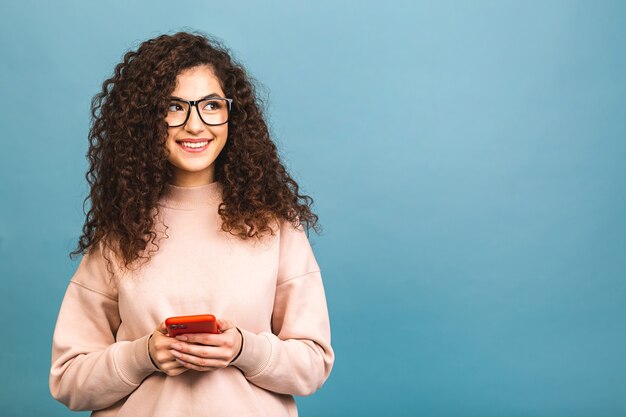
195, 166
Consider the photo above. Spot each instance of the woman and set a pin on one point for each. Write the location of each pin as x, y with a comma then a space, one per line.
192, 212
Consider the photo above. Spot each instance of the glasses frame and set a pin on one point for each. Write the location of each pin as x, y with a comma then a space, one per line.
193, 103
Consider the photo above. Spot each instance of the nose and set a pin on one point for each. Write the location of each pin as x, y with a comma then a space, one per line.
194, 123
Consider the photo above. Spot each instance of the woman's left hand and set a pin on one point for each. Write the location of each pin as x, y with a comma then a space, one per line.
208, 351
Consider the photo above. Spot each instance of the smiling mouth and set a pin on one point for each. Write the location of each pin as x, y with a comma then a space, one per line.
197, 146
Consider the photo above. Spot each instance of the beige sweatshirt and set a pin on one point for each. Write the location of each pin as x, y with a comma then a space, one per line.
272, 290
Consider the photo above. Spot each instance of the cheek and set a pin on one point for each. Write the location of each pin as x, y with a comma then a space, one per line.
221, 136
220, 132
170, 149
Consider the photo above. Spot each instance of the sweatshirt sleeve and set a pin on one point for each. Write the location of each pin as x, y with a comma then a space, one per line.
90, 370
296, 357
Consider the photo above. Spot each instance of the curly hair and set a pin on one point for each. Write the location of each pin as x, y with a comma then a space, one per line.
129, 170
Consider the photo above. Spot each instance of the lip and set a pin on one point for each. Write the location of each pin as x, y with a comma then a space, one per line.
194, 140
194, 150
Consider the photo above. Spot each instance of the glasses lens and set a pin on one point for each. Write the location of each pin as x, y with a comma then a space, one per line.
176, 112
214, 111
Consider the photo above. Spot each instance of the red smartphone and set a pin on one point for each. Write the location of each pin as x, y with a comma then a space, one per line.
201, 323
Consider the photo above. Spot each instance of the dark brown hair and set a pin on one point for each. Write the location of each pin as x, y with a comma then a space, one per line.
129, 169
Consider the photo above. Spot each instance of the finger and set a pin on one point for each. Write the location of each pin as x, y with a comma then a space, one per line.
200, 351
223, 325
200, 362
196, 367
177, 371
164, 356
207, 339
163, 342
161, 328
173, 364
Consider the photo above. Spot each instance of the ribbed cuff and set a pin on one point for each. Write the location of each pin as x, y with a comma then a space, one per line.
133, 362
255, 354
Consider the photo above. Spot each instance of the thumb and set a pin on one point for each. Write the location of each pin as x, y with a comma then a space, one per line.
223, 325
161, 328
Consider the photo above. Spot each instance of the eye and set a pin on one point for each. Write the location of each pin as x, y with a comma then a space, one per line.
212, 105
174, 106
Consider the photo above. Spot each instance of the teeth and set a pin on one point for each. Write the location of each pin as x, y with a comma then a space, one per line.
195, 145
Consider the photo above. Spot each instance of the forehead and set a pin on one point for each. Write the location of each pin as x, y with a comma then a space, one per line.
197, 82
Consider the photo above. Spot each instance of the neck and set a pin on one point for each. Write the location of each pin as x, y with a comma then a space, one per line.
192, 197
193, 179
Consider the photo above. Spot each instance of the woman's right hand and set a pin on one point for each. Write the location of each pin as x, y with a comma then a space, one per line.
159, 348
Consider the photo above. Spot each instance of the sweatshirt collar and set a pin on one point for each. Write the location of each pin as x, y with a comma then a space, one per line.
189, 198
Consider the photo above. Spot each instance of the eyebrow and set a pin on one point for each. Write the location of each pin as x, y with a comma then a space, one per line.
212, 95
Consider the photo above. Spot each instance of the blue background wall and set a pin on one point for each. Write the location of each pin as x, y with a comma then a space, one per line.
466, 160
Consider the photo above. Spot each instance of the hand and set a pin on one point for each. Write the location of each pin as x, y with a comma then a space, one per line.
208, 351
159, 347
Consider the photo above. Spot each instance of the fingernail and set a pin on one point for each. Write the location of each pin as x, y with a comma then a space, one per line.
183, 338
175, 353
181, 362
177, 346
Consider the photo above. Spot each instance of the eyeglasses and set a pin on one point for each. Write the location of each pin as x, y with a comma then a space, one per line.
213, 111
